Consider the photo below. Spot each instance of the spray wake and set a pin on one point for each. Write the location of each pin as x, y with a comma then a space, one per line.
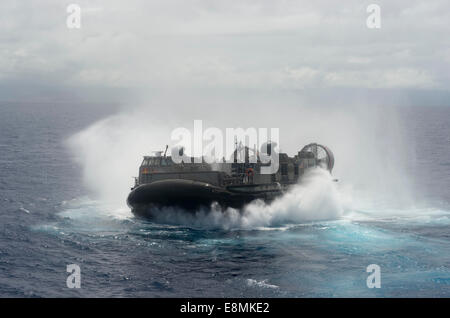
316, 198
372, 173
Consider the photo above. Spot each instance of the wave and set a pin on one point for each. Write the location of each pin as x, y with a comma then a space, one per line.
316, 198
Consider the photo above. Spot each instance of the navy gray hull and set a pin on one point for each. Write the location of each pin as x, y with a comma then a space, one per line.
188, 195
194, 184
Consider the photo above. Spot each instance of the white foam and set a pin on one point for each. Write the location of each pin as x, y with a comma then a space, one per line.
369, 146
316, 198
24, 210
263, 284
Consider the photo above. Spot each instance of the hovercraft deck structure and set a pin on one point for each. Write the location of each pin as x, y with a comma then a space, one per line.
191, 186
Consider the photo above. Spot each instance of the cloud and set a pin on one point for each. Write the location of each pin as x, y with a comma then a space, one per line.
226, 44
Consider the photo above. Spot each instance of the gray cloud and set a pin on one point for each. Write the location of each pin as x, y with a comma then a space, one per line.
222, 44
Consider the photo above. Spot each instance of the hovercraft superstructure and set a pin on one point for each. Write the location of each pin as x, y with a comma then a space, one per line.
190, 186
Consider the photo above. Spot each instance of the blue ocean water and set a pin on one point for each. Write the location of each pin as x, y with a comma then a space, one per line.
49, 220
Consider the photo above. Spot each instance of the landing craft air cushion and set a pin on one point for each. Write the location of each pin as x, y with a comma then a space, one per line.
191, 186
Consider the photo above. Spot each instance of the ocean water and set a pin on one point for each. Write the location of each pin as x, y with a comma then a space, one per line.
306, 245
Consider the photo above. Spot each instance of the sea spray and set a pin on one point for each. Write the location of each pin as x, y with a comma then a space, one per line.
368, 144
110, 150
315, 198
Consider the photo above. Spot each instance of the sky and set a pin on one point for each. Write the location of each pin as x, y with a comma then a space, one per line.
133, 49
311, 68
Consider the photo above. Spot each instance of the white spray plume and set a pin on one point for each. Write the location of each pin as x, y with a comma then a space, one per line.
110, 151
315, 198
368, 143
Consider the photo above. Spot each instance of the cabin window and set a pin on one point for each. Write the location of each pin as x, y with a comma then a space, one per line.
284, 169
155, 161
